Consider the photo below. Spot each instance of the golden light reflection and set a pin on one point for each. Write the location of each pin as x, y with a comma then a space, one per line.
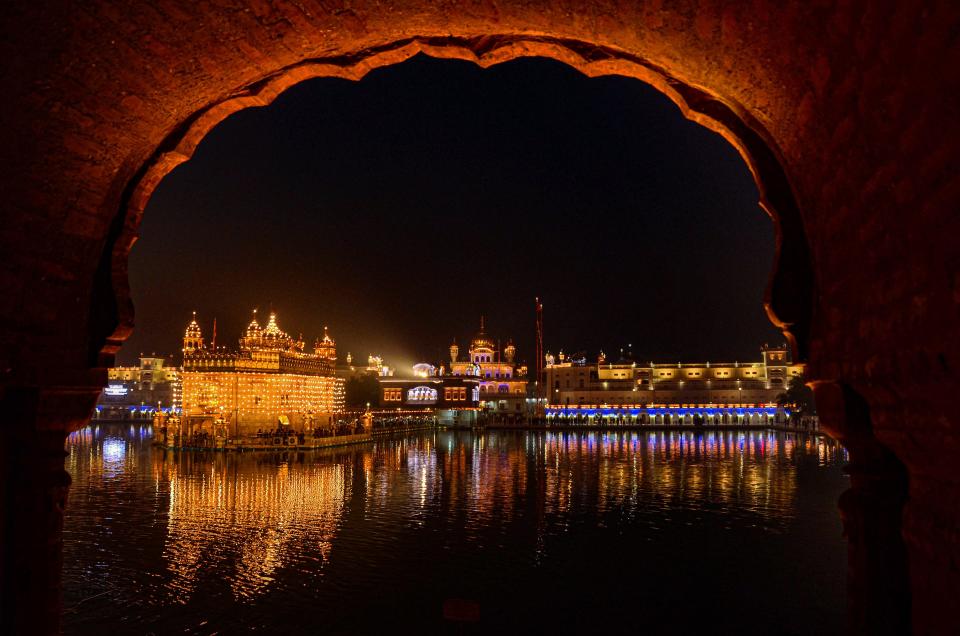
247, 518
249, 521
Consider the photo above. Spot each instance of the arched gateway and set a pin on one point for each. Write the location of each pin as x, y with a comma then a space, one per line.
843, 112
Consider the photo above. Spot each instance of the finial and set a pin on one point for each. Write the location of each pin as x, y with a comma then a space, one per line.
481, 322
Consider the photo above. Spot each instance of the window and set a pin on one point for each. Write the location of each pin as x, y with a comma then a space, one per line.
422, 394
455, 393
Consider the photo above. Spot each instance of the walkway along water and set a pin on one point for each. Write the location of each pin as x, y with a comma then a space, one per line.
369, 427
169, 433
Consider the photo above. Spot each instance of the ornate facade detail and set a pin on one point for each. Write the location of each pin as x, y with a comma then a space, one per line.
268, 378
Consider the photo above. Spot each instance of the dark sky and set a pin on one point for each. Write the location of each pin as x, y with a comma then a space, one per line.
398, 209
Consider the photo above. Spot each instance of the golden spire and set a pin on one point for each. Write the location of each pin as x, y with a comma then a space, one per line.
326, 347
272, 329
192, 337
480, 341
193, 329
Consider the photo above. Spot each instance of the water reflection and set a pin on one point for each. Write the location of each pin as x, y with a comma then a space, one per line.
149, 529
247, 519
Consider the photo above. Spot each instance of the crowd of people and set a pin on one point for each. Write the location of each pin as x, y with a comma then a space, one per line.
401, 423
282, 433
340, 427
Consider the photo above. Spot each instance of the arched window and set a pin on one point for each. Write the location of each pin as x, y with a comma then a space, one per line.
422, 394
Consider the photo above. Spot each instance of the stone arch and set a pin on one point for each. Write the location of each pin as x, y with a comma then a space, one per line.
790, 289
103, 92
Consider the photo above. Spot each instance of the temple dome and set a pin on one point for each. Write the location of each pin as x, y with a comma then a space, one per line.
272, 330
480, 340
193, 329
327, 340
254, 329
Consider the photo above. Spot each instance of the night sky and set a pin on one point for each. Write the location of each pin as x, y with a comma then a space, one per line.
399, 209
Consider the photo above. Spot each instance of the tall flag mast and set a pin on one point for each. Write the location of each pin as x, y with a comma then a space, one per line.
539, 381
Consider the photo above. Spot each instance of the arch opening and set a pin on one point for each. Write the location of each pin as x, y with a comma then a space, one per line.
670, 419
789, 294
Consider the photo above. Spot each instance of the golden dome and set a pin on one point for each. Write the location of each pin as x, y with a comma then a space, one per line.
254, 329
193, 329
326, 347
480, 341
272, 330
327, 340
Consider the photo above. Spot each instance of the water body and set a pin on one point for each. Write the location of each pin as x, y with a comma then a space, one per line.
541, 532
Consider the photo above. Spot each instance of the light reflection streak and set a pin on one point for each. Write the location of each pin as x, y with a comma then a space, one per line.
248, 519
242, 520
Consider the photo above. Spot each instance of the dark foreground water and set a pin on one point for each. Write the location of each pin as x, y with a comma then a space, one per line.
535, 532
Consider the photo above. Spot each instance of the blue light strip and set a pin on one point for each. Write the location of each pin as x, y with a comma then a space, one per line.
558, 411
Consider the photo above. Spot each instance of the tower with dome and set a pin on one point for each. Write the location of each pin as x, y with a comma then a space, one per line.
503, 383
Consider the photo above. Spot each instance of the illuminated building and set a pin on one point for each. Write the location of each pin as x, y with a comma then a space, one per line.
714, 392
138, 392
502, 383
454, 399
269, 380
489, 381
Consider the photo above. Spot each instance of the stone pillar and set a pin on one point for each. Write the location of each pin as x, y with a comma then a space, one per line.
878, 591
932, 532
33, 497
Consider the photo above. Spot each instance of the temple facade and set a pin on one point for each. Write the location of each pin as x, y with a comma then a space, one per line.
269, 380
502, 382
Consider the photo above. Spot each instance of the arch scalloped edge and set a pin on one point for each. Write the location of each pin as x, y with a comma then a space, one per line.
591, 60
